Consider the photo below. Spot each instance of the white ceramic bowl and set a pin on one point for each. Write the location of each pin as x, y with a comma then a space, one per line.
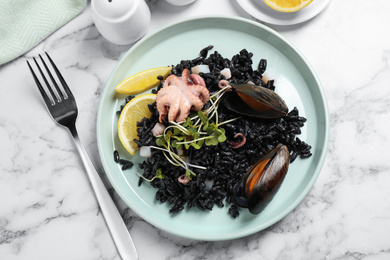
180, 2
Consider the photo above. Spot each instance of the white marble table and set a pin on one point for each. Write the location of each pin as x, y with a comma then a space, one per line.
47, 208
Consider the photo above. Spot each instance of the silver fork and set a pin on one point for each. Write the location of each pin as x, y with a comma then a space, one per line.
63, 109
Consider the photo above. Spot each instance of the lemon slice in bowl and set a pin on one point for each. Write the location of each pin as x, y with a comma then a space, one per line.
133, 112
142, 81
287, 5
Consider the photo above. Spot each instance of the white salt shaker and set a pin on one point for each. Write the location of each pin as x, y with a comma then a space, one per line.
121, 21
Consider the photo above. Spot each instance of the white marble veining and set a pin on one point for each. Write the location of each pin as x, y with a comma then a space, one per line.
47, 208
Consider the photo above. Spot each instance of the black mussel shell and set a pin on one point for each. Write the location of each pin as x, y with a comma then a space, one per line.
255, 101
260, 184
239, 194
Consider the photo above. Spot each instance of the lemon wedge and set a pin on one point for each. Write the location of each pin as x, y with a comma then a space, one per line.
287, 5
133, 112
142, 81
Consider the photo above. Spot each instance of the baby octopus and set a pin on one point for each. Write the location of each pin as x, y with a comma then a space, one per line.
179, 95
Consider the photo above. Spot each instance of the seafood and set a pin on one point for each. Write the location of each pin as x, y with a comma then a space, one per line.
259, 185
179, 95
200, 69
224, 83
183, 179
254, 101
240, 143
158, 129
227, 73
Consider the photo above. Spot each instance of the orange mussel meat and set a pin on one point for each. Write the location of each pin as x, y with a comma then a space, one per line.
259, 185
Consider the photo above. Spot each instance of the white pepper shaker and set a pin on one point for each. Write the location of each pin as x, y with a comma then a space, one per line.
121, 21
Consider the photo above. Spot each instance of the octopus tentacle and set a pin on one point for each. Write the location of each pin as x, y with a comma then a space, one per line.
201, 92
197, 103
162, 104
183, 179
238, 144
224, 83
185, 75
168, 81
181, 94
197, 80
174, 110
185, 108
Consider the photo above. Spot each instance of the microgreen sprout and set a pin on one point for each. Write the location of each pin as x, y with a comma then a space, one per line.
199, 129
159, 175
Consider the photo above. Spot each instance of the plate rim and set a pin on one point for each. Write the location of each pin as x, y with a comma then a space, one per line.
263, 225
246, 6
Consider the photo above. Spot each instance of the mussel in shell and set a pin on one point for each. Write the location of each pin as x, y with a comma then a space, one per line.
255, 101
259, 185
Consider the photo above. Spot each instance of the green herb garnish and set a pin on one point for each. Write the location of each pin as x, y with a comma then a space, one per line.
199, 129
159, 175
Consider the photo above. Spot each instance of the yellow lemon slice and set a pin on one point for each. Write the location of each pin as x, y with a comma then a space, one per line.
287, 5
142, 81
133, 112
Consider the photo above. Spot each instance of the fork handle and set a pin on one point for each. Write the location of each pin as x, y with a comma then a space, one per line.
114, 221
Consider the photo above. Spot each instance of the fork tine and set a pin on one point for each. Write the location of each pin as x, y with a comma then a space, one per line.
54, 97
52, 79
43, 92
63, 82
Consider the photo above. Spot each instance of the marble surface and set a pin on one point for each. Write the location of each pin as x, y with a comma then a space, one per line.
47, 208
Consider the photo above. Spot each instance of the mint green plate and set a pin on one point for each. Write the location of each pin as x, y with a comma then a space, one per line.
296, 82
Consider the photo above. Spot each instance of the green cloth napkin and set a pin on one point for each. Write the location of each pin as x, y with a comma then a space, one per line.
25, 23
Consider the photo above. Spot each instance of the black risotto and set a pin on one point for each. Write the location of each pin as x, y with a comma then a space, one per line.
225, 165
